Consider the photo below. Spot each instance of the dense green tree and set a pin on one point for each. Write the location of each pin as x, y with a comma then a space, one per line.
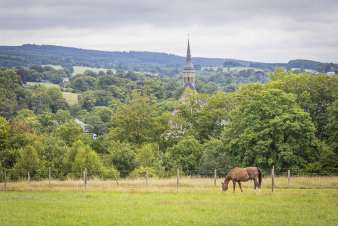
9, 86
185, 155
69, 132
52, 154
4, 135
271, 129
213, 116
46, 99
332, 126
4, 132
136, 119
147, 155
86, 158
122, 156
214, 156
28, 161
83, 82
314, 94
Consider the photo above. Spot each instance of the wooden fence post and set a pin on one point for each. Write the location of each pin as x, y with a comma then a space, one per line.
146, 177
117, 182
215, 176
273, 178
28, 177
85, 178
5, 182
177, 178
289, 175
49, 175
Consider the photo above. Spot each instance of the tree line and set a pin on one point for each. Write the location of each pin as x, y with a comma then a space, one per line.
289, 122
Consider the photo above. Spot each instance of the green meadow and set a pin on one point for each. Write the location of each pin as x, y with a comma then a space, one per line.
71, 98
82, 69
283, 207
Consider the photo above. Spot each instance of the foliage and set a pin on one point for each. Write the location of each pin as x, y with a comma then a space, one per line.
332, 126
185, 154
28, 161
136, 120
86, 158
271, 129
69, 132
314, 94
214, 156
122, 157
10, 92
133, 122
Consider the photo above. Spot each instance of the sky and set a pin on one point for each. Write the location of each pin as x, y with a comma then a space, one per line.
259, 30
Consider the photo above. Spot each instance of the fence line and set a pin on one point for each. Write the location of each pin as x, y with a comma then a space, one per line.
280, 180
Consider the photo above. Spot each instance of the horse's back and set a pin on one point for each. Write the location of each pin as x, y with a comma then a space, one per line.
252, 172
238, 173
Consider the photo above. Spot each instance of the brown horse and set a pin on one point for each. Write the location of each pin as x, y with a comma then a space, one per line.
243, 174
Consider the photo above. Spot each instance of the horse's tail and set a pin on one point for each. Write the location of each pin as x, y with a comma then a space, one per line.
259, 177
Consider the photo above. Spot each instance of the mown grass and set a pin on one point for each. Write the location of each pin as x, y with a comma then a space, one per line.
81, 69
283, 207
71, 98
46, 84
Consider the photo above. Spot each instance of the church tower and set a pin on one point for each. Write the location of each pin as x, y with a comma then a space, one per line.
188, 71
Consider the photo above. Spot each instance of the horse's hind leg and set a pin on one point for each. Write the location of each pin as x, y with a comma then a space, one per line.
255, 183
234, 184
240, 186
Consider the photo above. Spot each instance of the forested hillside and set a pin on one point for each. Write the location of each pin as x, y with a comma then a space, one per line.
162, 63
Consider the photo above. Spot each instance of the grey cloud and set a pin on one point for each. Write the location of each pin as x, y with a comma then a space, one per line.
35, 14
270, 30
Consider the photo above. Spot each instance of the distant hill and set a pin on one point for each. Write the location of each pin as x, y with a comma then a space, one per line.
28, 54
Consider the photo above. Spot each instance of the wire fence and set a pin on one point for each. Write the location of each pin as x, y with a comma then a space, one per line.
177, 180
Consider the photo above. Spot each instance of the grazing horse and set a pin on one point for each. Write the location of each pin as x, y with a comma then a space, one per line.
243, 174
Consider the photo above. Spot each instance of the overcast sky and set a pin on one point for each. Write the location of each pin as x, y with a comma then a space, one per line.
261, 30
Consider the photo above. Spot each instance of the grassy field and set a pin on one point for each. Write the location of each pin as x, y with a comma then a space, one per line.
283, 207
196, 202
186, 184
46, 84
81, 69
71, 98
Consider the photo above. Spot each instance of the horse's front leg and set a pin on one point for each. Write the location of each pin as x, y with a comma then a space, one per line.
240, 186
234, 185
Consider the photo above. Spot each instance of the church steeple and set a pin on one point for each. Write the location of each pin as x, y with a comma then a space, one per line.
188, 71
188, 58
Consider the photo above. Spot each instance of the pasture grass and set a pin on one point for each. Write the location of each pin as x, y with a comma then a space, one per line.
81, 69
186, 184
211, 207
46, 84
71, 98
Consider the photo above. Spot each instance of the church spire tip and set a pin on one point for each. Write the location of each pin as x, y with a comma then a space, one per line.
188, 59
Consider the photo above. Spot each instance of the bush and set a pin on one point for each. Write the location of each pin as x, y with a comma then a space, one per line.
110, 173
143, 171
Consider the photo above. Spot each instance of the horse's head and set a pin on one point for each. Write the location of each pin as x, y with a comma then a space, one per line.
224, 186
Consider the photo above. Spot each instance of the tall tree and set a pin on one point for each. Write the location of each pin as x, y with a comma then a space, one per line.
271, 129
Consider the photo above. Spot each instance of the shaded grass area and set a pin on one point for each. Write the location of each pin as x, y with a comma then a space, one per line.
283, 207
